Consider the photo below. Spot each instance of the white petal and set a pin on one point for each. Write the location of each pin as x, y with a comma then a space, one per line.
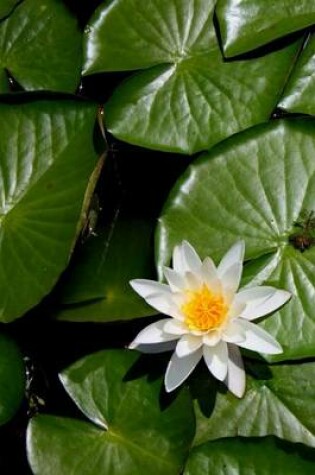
188, 344
257, 339
163, 303
179, 369
157, 347
210, 276
152, 334
176, 281
230, 279
211, 338
235, 309
191, 258
158, 295
193, 281
179, 298
178, 259
260, 292
175, 327
235, 379
234, 255
145, 287
259, 308
234, 332
216, 359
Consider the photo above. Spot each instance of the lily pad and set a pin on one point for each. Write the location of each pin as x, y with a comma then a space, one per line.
246, 457
188, 98
6, 7
40, 45
300, 90
11, 378
129, 432
254, 186
46, 159
247, 24
99, 277
279, 401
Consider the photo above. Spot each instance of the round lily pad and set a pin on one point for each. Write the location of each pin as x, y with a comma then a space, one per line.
247, 24
6, 7
247, 457
258, 186
187, 98
279, 401
46, 160
40, 45
12, 378
300, 88
96, 287
131, 430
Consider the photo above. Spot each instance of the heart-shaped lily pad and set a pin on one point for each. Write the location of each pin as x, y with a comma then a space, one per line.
279, 400
11, 378
248, 457
300, 90
40, 45
130, 433
247, 24
255, 186
188, 98
6, 7
99, 276
46, 159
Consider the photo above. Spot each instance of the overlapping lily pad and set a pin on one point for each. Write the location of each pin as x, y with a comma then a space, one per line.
40, 45
247, 24
99, 277
130, 433
254, 186
46, 159
300, 89
188, 98
11, 378
279, 401
6, 7
249, 457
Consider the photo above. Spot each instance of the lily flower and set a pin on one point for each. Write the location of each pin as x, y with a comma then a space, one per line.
209, 317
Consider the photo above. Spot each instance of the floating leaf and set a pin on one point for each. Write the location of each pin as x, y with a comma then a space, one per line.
132, 433
300, 90
103, 270
246, 25
254, 186
247, 457
11, 379
279, 400
46, 159
40, 45
189, 98
6, 7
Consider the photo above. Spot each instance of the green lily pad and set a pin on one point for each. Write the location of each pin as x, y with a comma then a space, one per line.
188, 98
12, 379
247, 24
130, 433
247, 457
40, 45
254, 186
279, 401
46, 159
102, 271
6, 7
300, 90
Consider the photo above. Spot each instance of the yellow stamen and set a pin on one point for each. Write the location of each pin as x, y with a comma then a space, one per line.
204, 310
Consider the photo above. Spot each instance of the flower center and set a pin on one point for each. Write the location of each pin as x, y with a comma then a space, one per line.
204, 310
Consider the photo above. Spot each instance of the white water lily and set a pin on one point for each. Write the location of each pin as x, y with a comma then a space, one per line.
209, 318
